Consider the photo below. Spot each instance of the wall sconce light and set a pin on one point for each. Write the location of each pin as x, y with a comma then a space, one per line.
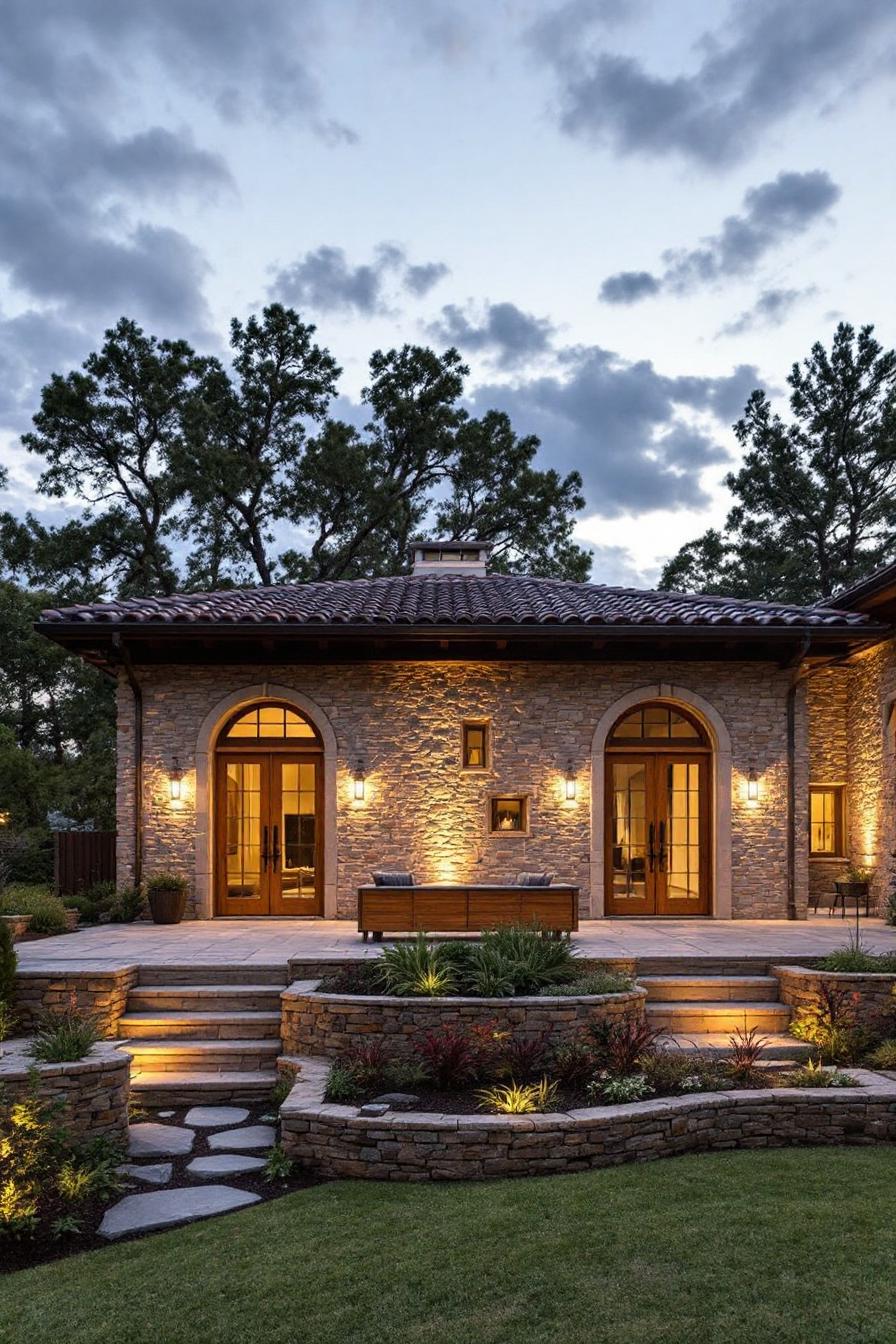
358, 782
570, 783
175, 778
752, 785
4, 818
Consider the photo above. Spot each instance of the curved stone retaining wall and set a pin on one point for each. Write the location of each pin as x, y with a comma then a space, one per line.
94, 1090
337, 1141
313, 1023
874, 1002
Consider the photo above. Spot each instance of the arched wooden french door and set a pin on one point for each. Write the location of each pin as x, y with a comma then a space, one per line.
658, 814
269, 814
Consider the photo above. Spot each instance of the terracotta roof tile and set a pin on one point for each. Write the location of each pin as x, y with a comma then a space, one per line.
451, 599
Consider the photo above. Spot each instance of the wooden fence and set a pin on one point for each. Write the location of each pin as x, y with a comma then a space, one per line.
81, 858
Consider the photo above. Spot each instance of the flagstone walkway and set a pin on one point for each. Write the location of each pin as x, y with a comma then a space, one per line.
240, 1151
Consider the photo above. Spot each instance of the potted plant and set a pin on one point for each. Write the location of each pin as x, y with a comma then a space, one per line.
167, 896
855, 881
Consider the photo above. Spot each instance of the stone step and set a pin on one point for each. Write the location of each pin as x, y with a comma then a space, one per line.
709, 988
191, 974
689, 1015
200, 1026
214, 1056
198, 998
780, 1048
188, 1088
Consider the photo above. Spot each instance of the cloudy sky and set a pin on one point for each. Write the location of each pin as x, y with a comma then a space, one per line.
626, 214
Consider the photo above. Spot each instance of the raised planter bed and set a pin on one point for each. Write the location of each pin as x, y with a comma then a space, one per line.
18, 925
315, 1023
94, 1090
874, 1003
415, 1146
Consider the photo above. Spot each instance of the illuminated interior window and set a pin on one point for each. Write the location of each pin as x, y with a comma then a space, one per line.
269, 723
656, 723
475, 748
509, 815
826, 819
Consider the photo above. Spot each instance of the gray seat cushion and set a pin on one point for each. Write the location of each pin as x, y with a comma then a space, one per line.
534, 879
397, 879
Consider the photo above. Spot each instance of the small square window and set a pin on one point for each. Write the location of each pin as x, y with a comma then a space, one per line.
826, 819
509, 815
475, 746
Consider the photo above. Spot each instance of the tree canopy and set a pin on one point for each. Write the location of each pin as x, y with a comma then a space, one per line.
195, 472
815, 501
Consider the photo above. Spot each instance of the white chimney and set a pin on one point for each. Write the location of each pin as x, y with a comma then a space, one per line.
451, 557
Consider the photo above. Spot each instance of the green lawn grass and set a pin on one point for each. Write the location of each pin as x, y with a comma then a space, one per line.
737, 1248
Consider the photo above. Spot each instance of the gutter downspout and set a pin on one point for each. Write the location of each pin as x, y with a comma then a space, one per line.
137, 692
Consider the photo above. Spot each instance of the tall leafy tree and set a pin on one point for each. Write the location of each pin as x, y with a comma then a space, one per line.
816, 495
244, 437
108, 433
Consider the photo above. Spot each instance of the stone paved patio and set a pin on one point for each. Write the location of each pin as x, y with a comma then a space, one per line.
247, 942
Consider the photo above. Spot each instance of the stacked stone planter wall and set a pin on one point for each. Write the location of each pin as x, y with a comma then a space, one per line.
337, 1141
329, 1024
18, 925
94, 1090
874, 1004
104, 993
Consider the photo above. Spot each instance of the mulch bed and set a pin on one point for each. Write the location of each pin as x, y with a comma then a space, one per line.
23, 1252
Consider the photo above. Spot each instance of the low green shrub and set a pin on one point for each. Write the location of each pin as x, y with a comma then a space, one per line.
417, 968
673, 1072
46, 910
856, 958
8, 963
598, 981
365, 978
166, 882
43, 1169
816, 1075
619, 1091
128, 904
519, 1098
883, 1056
343, 1087
64, 1036
372, 1068
278, 1165
830, 1025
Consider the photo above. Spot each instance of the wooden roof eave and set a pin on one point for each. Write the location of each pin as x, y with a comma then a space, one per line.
159, 642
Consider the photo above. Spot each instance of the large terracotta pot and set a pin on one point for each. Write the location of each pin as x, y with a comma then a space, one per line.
167, 905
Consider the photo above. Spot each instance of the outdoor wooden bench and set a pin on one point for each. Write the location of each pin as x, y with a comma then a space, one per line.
450, 908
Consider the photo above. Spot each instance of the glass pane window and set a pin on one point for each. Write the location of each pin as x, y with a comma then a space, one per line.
509, 815
243, 829
629, 833
683, 811
267, 722
298, 805
826, 819
475, 749
656, 723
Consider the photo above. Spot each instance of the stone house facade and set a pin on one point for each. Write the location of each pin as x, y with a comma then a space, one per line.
659, 751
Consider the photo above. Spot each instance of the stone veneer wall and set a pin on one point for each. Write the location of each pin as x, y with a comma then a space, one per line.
422, 812
872, 788
874, 1001
410, 1146
828, 699
331, 1024
51, 987
94, 1091
851, 741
